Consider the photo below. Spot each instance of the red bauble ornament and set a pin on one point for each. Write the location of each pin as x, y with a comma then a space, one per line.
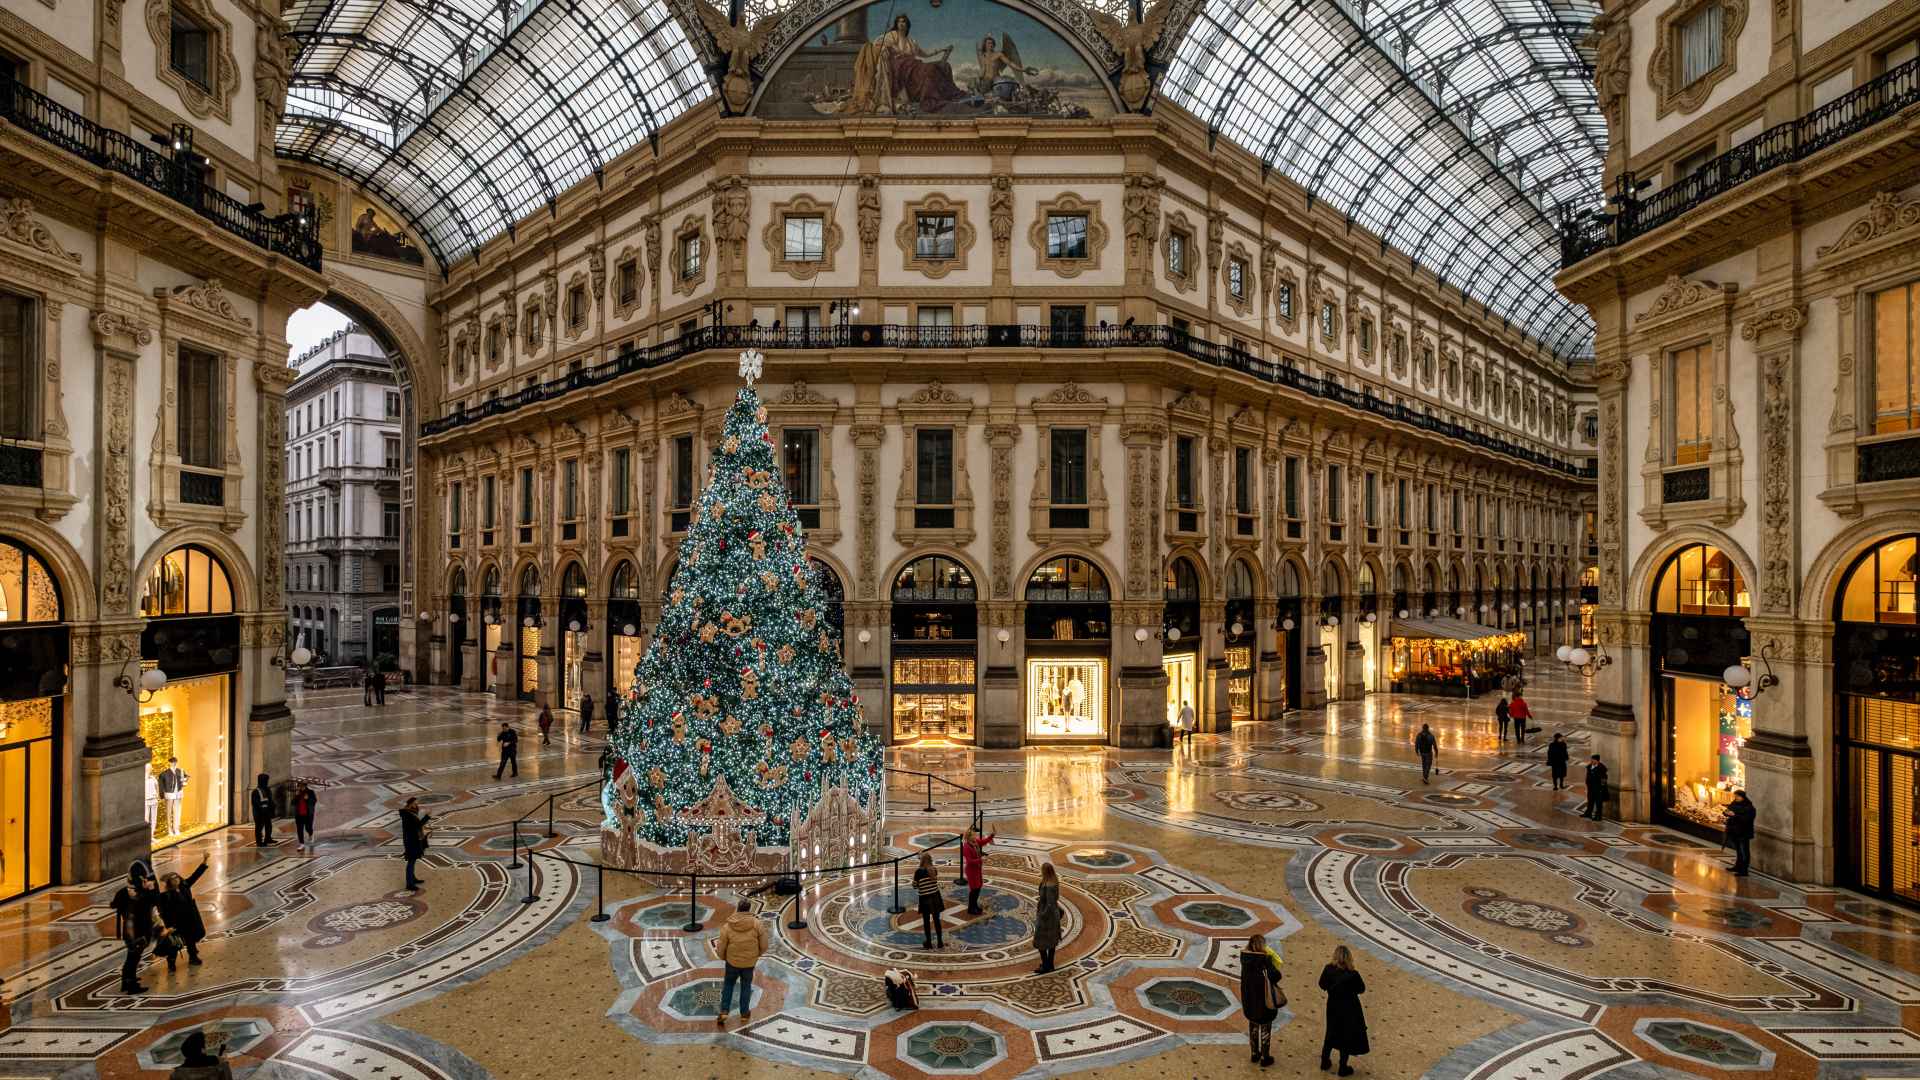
706, 684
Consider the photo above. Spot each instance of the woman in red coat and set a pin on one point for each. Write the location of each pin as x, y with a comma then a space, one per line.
971, 866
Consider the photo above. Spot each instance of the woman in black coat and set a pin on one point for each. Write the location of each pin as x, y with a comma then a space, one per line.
1260, 997
1046, 920
182, 914
1346, 1023
926, 882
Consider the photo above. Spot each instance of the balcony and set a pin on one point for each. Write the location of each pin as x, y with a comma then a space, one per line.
344, 545
993, 336
1856, 111
332, 476
52, 122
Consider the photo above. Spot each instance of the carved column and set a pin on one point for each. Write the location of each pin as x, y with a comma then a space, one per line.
269, 721
867, 432
1000, 224
1001, 438
1622, 636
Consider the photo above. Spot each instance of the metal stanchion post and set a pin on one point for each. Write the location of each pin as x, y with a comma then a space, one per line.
929, 793
799, 921
515, 864
600, 894
530, 897
549, 817
896, 908
693, 905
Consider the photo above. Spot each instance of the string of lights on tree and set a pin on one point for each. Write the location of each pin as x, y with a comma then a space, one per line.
743, 678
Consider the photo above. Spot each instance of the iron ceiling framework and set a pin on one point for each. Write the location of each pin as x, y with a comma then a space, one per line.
1453, 129
467, 115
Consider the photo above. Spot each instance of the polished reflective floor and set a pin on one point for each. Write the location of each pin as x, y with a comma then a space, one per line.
1500, 935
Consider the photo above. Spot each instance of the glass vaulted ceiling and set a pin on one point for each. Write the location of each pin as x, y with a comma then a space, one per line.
469, 115
1453, 129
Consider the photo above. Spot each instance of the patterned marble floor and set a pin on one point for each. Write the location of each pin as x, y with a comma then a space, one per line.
1502, 937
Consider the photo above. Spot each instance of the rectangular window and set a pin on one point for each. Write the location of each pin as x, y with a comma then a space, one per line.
1183, 478
1459, 513
1286, 301
390, 577
1433, 508
621, 481
570, 490
1243, 480
390, 448
1067, 473
1896, 359
20, 385
493, 345
1701, 42
934, 316
806, 237
1237, 278
683, 473
1366, 336
1177, 254
200, 415
1290, 485
628, 277
453, 513
1066, 236
800, 459
1370, 485
933, 236
577, 306
526, 496
1402, 515
1327, 313
488, 507
389, 520
801, 318
1690, 390
1069, 322
933, 478
1336, 493
690, 255
191, 52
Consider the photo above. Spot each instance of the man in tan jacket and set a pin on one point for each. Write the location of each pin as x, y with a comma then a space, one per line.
742, 941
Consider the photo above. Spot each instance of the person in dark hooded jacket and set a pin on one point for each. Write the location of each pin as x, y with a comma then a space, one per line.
1741, 814
135, 922
182, 914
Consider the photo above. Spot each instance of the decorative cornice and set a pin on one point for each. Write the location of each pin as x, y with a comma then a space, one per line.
1680, 294
1788, 319
107, 324
1886, 214
934, 394
208, 296
799, 393
17, 223
1071, 393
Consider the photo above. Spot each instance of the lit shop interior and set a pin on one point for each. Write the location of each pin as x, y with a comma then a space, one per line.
1451, 657
1067, 647
935, 627
190, 657
33, 702
1697, 633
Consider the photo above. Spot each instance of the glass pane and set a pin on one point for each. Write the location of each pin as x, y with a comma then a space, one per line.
1893, 360
1905, 825
1896, 580
1865, 803
219, 588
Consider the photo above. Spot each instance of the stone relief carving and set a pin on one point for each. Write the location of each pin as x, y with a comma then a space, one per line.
18, 223
1779, 572
1679, 294
1000, 218
108, 324
867, 206
731, 211
1885, 215
116, 543
1611, 39
1001, 439
1141, 223
1132, 40
1071, 393
652, 228
866, 439
934, 393
211, 297
799, 393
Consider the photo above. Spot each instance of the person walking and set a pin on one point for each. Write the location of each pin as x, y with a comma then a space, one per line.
1557, 760
546, 724
509, 742
972, 865
173, 785
304, 803
1261, 998
742, 941
1596, 788
1187, 720
179, 911
135, 922
926, 881
1426, 744
1519, 712
1046, 918
261, 799
1500, 715
586, 713
1346, 1021
1740, 820
413, 839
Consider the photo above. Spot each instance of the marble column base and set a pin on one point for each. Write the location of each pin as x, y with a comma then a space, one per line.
999, 719
110, 807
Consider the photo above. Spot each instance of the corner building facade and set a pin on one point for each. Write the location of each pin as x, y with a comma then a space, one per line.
1754, 291
1086, 422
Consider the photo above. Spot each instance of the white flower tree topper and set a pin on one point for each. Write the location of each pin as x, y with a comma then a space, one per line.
751, 362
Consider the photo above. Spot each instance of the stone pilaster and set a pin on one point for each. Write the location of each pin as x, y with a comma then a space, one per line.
109, 827
1001, 715
1214, 709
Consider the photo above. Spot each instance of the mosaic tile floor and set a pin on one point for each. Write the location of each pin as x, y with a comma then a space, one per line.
1502, 937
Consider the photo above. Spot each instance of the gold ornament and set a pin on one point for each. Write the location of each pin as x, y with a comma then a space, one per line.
767, 503
732, 445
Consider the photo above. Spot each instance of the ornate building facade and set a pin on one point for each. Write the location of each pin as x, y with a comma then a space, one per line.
1753, 283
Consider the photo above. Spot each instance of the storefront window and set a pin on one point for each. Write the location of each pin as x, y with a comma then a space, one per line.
1067, 698
934, 623
185, 728
1710, 724
529, 661
1876, 673
1240, 682
1183, 684
26, 794
623, 629
933, 698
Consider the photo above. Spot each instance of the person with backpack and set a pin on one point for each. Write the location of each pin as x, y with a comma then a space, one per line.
1261, 998
1426, 744
742, 941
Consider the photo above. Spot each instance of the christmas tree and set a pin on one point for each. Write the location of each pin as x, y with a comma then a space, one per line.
742, 728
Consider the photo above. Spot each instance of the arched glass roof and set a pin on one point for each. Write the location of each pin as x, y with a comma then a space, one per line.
468, 115
1454, 129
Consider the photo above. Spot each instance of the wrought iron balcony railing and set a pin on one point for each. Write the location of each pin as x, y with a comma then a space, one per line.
996, 336
53, 122
1847, 115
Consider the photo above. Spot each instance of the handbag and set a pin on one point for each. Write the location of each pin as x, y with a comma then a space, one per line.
167, 944
1276, 996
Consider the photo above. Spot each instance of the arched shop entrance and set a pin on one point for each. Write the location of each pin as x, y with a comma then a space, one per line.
623, 631
527, 620
491, 616
1698, 630
193, 637
1291, 641
574, 626
33, 704
457, 626
1068, 643
1876, 681
1330, 593
935, 639
1243, 636
835, 594
1180, 637
1367, 590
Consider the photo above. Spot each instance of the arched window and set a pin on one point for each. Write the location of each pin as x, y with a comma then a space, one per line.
1880, 587
1182, 583
1876, 717
1330, 581
529, 584
1289, 580
1700, 579
1182, 598
933, 600
1239, 613
1067, 601
28, 593
490, 584
625, 584
457, 583
935, 577
833, 591
573, 583
1365, 586
188, 580
1239, 581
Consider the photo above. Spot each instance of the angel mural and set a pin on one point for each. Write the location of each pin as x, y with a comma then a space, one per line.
909, 59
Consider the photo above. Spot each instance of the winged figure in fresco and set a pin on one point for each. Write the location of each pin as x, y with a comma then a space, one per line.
740, 45
1001, 59
1132, 40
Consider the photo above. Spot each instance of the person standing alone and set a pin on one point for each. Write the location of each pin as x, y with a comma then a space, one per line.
586, 713
1596, 788
1557, 760
413, 839
509, 742
926, 882
1500, 715
546, 724
1741, 815
1261, 998
304, 803
1046, 918
741, 943
972, 866
1346, 1021
1425, 744
261, 800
